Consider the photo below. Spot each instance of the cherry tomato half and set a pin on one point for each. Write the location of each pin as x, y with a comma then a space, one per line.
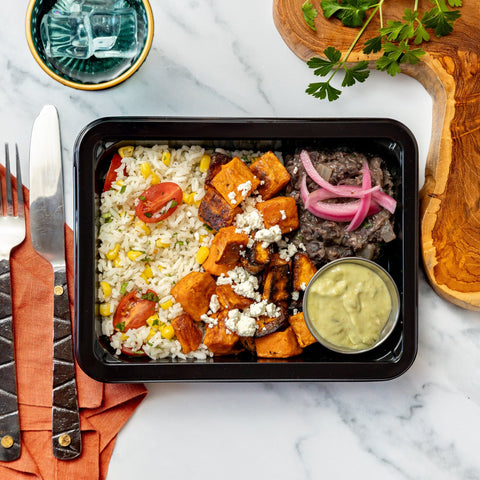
112, 174
158, 202
133, 311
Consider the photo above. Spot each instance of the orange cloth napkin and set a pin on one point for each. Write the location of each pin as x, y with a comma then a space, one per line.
104, 408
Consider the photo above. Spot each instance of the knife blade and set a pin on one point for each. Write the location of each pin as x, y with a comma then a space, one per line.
47, 234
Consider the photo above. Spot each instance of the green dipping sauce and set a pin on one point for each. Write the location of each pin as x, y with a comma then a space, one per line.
349, 304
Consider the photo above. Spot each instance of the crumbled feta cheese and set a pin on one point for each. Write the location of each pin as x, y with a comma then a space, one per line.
250, 243
269, 235
301, 246
289, 252
214, 304
224, 280
295, 295
246, 326
208, 320
241, 323
303, 286
283, 214
248, 221
244, 188
232, 197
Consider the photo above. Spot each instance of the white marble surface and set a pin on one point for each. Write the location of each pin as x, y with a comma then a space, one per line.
225, 58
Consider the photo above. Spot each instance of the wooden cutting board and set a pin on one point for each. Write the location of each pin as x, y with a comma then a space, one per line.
450, 197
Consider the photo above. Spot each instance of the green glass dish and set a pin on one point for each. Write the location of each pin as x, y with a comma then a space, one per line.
93, 73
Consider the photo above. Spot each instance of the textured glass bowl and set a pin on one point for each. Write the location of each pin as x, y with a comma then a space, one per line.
92, 73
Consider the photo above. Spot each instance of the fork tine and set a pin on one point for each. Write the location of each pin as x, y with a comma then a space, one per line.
8, 181
20, 200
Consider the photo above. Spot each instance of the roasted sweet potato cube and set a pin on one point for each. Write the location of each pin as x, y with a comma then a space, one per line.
230, 300
187, 333
303, 271
269, 170
229, 243
235, 182
193, 292
278, 345
214, 268
218, 339
216, 162
303, 334
215, 211
225, 251
257, 258
276, 281
281, 211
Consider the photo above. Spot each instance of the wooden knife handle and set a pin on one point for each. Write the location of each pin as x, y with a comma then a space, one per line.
9, 422
66, 436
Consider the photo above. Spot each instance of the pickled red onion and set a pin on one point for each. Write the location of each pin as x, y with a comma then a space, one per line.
340, 190
365, 201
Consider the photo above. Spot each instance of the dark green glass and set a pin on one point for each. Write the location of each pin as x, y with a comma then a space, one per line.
77, 64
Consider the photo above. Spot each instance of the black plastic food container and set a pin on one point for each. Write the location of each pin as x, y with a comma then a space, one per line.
387, 138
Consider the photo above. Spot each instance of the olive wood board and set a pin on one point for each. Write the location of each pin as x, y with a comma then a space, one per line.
450, 72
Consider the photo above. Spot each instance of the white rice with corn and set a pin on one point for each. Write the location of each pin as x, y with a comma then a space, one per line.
163, 252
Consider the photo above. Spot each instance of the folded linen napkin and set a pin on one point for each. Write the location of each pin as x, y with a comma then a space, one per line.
104, 408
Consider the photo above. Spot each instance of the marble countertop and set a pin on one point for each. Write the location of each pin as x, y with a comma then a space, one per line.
225, 58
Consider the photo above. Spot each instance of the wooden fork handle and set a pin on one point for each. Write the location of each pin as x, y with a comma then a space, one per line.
9, 421
66, 436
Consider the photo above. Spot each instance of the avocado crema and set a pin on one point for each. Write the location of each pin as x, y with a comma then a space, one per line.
349, 305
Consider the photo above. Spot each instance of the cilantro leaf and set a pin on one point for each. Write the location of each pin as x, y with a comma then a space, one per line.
323, 90
373, 45
455, 3
309, 14
388, 64
358, 73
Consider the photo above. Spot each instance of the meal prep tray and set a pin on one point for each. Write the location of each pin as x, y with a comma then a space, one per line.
389, 139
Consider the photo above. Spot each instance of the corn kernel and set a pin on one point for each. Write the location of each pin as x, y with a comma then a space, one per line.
202, 254
151, 333
120, 183
166, 305
112, 254
147, 274
116, 262
106, 289
167, 332
145, 170
188, 198
143, 226
155, 179
126, 151
105, 309
161, 244
160, 267
153, 321
134, 254
204, 163
166, 157
124, 337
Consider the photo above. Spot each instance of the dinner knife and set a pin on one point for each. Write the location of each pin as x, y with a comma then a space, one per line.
47, 233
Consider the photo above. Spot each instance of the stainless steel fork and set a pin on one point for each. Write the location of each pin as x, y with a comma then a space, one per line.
12, 233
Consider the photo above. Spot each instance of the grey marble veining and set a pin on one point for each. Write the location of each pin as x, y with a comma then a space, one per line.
224, 58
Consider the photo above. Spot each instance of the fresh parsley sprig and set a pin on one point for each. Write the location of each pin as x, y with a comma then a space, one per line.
398, 40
